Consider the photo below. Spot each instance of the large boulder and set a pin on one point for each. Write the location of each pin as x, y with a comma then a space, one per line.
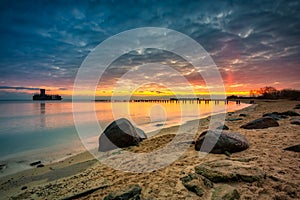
120, 134
261, 123
230, 171
218, 141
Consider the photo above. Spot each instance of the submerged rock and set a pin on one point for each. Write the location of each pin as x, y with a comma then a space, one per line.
217, 141
224, 192
120, 134
261, 123
295, 148
133, 192
230, 171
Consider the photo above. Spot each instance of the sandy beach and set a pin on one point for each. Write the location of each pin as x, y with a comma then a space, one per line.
86, 177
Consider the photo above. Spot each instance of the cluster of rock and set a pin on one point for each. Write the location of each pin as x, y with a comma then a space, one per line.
37, 164
261, 123
213, 178
121, 134
270, 120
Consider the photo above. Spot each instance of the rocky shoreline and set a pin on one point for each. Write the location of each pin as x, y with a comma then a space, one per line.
267, 169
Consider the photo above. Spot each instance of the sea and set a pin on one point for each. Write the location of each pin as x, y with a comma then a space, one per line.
46, 130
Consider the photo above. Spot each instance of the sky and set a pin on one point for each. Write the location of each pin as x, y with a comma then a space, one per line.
43, 43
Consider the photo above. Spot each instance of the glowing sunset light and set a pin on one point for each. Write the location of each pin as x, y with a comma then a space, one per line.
249, 51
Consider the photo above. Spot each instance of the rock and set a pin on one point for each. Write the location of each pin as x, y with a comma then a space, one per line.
297, 106
223, 127
24, 188
234, 119
275, 115
40, 166
133, 192
290, 113
35, 163
196, 183
261, 123
295, 148
224, 192
221, 142
159, 124
3, 166
244, 159
219, 125
228, 154
120, 134
230, 171
193, 186
295, 121
283, 116
243, 115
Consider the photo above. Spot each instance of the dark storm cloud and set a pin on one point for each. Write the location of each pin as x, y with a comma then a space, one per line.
46, 41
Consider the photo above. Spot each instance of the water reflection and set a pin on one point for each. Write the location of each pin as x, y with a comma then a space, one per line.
42, 115
34, 116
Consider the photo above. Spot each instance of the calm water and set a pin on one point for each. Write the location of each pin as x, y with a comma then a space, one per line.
45, 130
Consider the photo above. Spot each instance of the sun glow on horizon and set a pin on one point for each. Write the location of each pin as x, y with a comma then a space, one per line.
141, 92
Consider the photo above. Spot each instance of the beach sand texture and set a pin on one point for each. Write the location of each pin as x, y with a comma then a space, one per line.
82, 172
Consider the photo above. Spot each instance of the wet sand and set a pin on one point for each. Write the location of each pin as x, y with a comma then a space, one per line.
82, 172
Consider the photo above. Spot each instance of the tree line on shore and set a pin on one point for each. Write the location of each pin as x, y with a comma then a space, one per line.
270, 92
